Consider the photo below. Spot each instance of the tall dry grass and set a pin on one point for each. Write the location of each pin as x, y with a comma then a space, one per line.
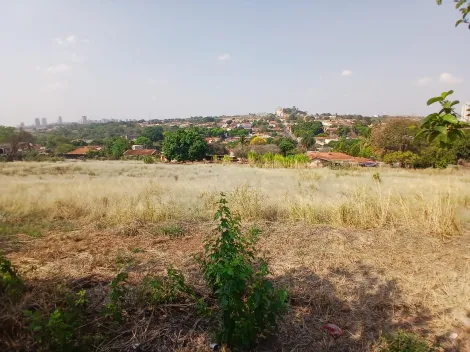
116, 193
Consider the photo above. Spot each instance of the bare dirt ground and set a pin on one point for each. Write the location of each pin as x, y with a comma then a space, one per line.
366, 282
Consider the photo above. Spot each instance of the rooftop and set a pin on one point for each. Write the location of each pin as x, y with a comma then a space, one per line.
139, 152
84, 150
335, 156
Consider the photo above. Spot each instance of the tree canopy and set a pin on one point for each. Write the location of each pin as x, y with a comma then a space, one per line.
312, 128
145, 141
14, 138
394, 134
184, 144
154, 133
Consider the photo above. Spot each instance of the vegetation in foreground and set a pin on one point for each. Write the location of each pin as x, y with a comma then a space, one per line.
93, 222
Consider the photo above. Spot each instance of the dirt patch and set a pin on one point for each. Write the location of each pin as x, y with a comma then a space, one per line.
366, 282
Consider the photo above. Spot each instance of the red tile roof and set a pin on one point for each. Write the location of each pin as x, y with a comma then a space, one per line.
84, 150
335, 156
131, 152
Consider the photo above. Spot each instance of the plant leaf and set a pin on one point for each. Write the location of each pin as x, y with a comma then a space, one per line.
435, 99
445, 94
441, 130
458, 22
460, 3
450, 118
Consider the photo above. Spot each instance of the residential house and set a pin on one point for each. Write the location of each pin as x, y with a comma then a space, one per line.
321, 141
131, 137
139, 152
5, 149
245, 125
211, 140
321, 159
82, 152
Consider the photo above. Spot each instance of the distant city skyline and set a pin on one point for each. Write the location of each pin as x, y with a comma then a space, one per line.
206, 58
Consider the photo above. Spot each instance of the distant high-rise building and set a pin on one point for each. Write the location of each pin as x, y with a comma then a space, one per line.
22, 125
59, 120
44, 121
37, 122
466, 112
84, 119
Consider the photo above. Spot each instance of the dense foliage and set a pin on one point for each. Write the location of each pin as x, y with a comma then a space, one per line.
303, 129
444, 125
184, 144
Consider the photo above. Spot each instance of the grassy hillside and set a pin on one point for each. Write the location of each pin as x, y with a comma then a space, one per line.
369, 252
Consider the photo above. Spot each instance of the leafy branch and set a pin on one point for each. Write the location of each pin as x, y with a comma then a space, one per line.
464, 7
444, 125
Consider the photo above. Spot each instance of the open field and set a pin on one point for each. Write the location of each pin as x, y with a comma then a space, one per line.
369, 253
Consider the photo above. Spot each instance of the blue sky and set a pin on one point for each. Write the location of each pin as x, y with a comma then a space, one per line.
135, 59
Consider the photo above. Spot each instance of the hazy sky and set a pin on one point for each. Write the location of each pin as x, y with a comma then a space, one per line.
135, 59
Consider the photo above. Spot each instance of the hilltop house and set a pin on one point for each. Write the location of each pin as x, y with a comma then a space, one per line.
139, 152
5, 149
321, 159
82, 152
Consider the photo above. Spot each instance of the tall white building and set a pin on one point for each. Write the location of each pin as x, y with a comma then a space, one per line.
466, 112
84, 119
44, 121
59, 120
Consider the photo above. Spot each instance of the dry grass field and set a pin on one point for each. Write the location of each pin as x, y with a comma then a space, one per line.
371, 254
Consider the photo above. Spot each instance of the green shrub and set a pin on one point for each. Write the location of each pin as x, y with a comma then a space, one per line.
114, 307
404, 342
59, 331
148, 159
376, 177
248, 304
10, 282
158, 290
173, 231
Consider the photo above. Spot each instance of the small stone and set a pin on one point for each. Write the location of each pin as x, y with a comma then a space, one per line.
453, 336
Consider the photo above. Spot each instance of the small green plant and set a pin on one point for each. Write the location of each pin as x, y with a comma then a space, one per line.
376, 177
59, 331
159, 290
248, 304
174, 230
116, 297
148, 159
404, 342
10, 282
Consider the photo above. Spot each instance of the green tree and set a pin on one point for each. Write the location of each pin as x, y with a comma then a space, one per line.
444, 125
55, 140
406, 159
308, 128
154, 133
184, 144
145, 141
14, 138
64, 148
308, 142
286, 145
118, 146
394, 134
343, 131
